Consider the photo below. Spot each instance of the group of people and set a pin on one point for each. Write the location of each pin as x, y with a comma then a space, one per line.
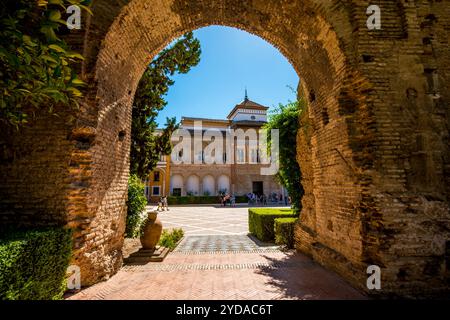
228, 199
163, 204
225, 199
254, 199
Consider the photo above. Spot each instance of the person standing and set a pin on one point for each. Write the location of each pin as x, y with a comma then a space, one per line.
233, 200
160, 204
165, 203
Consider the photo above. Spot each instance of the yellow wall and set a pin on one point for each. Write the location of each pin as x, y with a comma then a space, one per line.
163, 183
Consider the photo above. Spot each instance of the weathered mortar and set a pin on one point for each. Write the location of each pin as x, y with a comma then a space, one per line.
374, 150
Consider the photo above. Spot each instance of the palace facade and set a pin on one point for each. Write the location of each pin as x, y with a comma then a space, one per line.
236, 166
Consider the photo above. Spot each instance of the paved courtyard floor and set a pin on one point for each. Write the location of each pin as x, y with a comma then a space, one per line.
218, 260
207, 220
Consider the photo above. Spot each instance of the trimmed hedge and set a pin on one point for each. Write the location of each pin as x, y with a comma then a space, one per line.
33, 264
200, 200
261, 221
193, 200
284, 231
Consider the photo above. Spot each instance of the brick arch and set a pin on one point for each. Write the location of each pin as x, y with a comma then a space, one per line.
140, 30
376, 189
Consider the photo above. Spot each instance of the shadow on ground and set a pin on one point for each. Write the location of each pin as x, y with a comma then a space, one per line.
298, 277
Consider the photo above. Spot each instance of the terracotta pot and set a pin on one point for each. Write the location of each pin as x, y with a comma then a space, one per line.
152, 231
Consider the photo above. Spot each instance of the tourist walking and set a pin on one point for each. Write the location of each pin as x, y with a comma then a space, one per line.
160, 204
165, 203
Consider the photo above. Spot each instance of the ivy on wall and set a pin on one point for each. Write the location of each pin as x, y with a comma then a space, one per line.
286, 119
36, 65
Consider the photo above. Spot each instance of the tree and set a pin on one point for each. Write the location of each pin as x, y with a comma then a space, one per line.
146, 143
286, 119
37, 68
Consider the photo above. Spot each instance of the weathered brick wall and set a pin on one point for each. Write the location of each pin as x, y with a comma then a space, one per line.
396, 119
373, 150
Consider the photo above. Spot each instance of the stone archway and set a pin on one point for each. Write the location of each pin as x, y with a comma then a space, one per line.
223, 183
193, 185
176, 182
208, 185
374, 157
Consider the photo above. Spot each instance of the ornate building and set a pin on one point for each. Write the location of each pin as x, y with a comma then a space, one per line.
237, 163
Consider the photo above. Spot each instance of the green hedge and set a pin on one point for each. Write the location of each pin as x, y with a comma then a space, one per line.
136, 204
284, 231
200, 200
261, 221
33, 264
193, 200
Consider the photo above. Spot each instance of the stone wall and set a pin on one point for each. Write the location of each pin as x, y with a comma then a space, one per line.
373, 148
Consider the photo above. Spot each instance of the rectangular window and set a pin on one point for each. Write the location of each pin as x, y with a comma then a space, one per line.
156, 191
176, 192
224, 156
156, 176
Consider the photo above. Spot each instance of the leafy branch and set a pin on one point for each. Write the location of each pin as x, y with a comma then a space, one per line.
36, 66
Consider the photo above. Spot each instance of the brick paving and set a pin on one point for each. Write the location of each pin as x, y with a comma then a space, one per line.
221, 266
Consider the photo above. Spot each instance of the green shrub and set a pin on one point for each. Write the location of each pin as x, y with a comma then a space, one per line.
33, 264
135, 207
241, 199
261, 221
173, 200
193, 200
169, 239
284, 231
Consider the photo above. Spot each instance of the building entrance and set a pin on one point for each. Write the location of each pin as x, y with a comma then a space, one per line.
258, 188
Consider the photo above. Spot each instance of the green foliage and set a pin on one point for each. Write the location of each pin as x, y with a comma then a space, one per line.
286, 119
284, 231
36, 66
169, 239
261, 221
193, 200
146, 145
33, 264
136, 204
200, 200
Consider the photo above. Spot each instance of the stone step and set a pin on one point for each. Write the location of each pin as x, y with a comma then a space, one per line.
145, 256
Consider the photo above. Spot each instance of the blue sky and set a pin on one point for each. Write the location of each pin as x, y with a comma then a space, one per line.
231, 60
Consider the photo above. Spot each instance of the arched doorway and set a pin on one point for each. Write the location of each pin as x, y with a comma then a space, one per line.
208, 185
176, 185
223, 184
193, 185
360, 151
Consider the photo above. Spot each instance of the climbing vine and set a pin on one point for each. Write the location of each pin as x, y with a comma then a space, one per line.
37, 67
286, 119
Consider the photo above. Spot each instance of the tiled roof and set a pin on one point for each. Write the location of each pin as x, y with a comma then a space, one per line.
247, 104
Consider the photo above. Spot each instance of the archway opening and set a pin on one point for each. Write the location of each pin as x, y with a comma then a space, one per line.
373, 152
315, 52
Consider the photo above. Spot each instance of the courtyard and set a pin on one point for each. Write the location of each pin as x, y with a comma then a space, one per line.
355, 97
218, 260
